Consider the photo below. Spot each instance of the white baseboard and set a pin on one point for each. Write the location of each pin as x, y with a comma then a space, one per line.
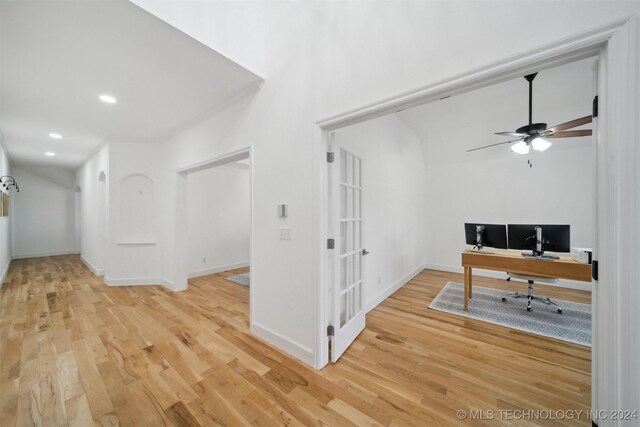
170, 285
217, 269
144, 281
94, 270
4, 273
299, 351
43, 254
133, 281
570, 284
387, 293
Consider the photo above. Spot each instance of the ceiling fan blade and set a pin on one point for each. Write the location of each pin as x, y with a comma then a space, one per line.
570, 133
572, 124
513, 134
492, 145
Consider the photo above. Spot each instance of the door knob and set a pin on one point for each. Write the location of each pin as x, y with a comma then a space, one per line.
365, 252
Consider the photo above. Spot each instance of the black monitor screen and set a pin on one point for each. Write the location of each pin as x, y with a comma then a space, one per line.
493, 235
522, 236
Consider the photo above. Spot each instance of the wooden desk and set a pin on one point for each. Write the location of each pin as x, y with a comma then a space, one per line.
514, 262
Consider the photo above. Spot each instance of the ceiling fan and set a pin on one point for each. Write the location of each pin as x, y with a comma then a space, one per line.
536, 135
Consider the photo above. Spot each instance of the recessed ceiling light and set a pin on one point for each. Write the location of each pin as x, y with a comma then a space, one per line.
49, 153
108, 99
55, 135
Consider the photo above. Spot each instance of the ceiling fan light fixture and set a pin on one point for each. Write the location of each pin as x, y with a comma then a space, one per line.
540, 144
520, 147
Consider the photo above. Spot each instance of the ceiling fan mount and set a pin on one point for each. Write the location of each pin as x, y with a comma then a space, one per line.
532, 129
536, 134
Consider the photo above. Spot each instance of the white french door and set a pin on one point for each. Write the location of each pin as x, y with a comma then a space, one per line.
345, 175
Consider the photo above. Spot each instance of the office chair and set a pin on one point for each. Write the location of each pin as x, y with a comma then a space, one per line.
530, 297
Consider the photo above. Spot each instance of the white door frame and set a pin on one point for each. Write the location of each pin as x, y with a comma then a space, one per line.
181, 239
617, 194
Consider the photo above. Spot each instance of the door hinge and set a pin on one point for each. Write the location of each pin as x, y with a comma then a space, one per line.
594, 114
330, 157
330, 330
331, 244
594, 269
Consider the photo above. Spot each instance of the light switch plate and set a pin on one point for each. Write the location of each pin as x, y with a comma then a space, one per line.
285, 233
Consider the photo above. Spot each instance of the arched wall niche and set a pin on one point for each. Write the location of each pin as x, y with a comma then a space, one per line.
137, 209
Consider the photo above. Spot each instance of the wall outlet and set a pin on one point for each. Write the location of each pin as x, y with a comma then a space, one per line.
379, 280
204, 260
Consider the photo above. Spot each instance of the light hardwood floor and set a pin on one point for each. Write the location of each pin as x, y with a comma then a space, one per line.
74, 351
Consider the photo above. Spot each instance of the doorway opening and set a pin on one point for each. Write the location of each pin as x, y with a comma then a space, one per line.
102, 219
78, 220
425, 178
615, 46
218, 220
215, 219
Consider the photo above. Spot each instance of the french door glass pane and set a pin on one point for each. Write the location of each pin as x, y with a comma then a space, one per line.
343, 309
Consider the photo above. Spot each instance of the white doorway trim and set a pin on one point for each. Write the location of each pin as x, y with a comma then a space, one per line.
182, 174
616, 342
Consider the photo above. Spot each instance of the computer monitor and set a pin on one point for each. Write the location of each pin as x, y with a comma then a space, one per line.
555, 238
492, 235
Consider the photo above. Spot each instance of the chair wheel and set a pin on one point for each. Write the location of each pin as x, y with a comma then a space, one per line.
503, 299
528, 308
560, 310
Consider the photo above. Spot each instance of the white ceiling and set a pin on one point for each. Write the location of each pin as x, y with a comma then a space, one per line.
57, 57
449, 127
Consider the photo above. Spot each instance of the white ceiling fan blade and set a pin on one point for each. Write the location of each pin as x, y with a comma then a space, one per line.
513, 134
493, 145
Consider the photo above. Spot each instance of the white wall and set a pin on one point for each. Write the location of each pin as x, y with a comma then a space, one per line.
218, 219
235, 29
93, 210
43, 212
393, 202
5, 229
496, 185
324, 58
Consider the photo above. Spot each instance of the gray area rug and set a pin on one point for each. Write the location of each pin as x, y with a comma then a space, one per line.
240, 279
573, 325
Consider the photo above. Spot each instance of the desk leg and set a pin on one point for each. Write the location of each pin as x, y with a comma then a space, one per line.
466, 288
470, 282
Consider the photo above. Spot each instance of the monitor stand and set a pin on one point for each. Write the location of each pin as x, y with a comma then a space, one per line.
543, 256
482, 251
